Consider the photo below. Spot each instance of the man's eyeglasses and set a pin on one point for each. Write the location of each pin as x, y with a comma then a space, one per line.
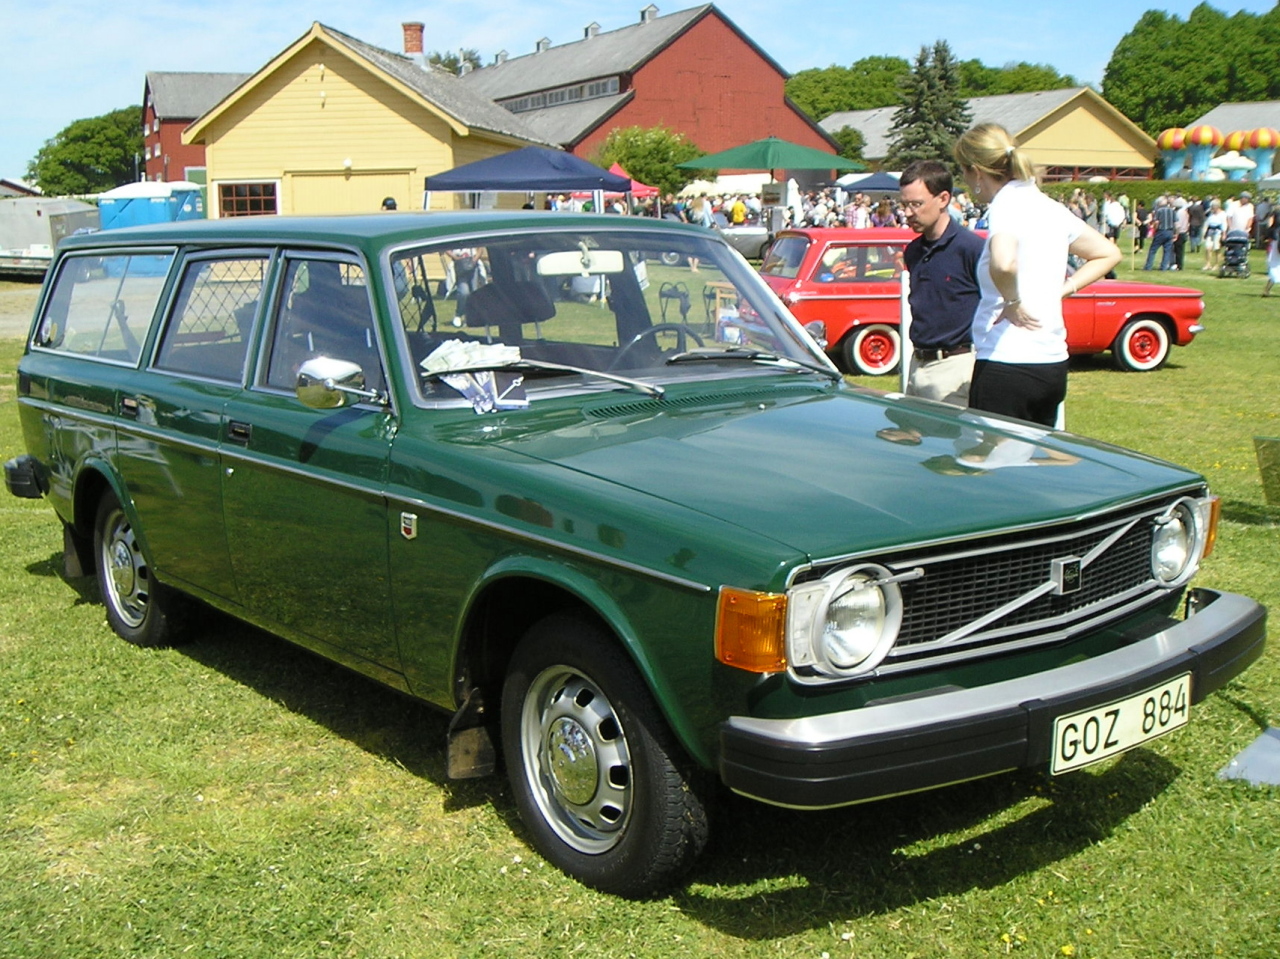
912, 205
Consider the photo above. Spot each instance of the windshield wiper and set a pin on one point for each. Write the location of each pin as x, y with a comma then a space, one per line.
753, 356
525, 364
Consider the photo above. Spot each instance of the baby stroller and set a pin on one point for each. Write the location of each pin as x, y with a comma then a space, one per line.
1235, 254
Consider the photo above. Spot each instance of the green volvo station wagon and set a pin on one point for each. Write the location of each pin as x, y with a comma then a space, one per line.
583, 483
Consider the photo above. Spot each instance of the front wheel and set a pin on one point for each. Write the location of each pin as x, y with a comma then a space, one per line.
1143, 345
872, 350
598, 779
139, 609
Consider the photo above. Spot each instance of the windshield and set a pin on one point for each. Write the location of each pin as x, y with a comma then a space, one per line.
784, 257
630, 303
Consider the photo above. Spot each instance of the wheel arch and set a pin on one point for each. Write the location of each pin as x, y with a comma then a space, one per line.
521, 591
93, 479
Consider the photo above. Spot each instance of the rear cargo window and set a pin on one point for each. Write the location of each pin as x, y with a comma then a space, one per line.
101, 306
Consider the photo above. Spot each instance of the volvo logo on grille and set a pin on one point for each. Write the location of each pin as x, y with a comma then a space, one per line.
1066, 575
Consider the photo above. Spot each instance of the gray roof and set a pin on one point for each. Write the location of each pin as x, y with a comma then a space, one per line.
442, 89
604, 55
185, 96
1229, 117
1013, 111
564, 124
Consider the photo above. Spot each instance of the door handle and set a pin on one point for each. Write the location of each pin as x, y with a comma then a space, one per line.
129, 406
238, 432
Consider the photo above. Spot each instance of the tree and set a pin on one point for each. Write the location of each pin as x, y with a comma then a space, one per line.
852, 143
1166, 72
650, 155
871, 82
979, 80
933, 113
90, 155
453, 62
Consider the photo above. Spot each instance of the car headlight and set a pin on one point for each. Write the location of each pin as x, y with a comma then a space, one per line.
843, 624
1176, 543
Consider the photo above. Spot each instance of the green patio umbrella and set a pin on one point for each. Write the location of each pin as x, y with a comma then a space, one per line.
771, 154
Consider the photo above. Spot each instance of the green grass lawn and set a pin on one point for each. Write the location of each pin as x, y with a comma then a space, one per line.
240, 797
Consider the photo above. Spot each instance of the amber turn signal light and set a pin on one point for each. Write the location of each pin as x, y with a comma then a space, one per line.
1211, 527
751, 630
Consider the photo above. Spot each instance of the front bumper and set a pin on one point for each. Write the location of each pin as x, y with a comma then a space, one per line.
958, 734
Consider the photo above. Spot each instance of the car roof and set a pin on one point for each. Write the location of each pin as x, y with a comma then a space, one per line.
371, 230
874, 234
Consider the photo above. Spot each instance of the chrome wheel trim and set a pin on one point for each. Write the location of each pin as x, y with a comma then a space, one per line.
127, 580
577, 763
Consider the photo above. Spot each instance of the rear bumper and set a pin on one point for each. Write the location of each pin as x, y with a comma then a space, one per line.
920, 743
23, 477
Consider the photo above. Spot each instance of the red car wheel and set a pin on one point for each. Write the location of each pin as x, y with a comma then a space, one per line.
1143, 345
872, 350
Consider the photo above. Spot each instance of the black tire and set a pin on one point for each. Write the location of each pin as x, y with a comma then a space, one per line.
1141, 346
139, 609
872, 350
631, 821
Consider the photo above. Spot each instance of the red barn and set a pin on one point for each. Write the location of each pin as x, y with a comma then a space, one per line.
170, 102
693, 72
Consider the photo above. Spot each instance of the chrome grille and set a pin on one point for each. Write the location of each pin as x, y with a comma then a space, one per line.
954, 593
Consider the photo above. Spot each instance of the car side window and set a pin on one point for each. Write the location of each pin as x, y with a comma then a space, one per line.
208, 332
860, 264
324, 311
102, 306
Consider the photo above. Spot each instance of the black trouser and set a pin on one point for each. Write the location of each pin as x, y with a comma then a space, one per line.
1029, 391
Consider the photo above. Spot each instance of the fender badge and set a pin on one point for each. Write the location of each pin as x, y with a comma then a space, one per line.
1067, 575
409, 525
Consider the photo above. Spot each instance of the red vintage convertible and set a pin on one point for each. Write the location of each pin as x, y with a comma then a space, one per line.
850, 281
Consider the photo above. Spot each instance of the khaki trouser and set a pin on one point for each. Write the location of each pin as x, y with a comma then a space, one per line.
945, 380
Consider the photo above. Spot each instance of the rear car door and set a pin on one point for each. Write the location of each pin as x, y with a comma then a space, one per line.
172, 416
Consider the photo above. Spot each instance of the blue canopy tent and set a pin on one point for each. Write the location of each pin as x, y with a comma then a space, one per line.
871, 183
530, 170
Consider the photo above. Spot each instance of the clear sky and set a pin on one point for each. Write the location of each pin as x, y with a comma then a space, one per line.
62, 60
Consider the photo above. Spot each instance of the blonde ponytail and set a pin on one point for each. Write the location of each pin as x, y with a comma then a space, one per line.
990, 148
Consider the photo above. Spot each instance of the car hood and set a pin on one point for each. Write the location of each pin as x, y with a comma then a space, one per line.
845, 470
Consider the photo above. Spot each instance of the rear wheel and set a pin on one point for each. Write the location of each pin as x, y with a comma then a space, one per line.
606, 793
1143, 345
872, 350
139, 609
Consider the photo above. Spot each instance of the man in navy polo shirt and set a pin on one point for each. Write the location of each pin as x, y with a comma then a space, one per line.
943, 261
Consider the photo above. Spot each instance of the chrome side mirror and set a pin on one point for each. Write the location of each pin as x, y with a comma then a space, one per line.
325, 383
818, 330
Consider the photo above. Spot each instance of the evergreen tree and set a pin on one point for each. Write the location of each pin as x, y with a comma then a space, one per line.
933, 113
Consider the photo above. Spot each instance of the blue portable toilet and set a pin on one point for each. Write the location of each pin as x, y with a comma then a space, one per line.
148, 201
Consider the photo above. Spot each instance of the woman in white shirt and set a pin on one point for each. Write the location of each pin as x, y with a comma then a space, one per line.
1215, 228
1019, 337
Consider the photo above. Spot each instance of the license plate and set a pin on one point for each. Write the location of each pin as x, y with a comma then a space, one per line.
1094, 734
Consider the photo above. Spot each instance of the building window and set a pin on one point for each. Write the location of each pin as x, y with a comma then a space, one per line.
246, 199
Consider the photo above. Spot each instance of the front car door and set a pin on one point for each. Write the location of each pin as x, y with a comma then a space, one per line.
303, 489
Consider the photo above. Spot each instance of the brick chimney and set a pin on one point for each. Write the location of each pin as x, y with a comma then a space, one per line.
412, 38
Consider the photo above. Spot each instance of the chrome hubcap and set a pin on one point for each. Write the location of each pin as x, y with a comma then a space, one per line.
571, 761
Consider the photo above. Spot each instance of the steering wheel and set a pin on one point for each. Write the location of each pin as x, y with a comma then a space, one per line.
679, 329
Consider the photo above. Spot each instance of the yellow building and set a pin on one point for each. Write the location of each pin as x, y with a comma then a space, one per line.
1071, 134
335, 125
